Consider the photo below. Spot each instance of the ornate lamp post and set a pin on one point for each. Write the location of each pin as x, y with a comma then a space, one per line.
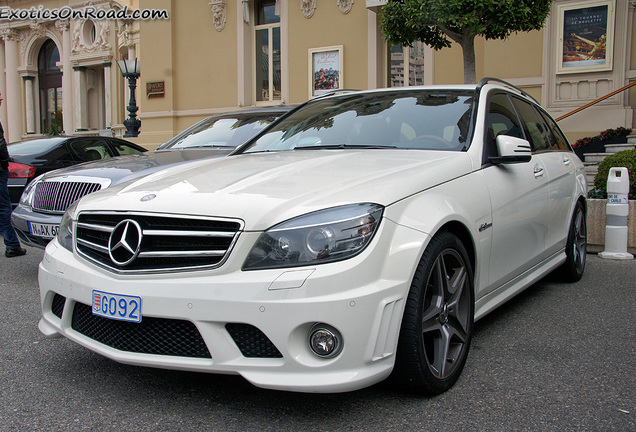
131, 69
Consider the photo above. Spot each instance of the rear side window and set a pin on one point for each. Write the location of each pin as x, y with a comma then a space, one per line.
90, 149
557, 139
123, 148
533, 123
501, 120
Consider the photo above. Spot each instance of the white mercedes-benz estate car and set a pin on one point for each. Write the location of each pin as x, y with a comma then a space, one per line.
359, 236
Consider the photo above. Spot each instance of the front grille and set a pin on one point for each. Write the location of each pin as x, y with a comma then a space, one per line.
162, 243
252, 341
151, 336
56, 196
57, 305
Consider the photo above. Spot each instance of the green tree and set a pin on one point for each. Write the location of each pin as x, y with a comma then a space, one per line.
434, 22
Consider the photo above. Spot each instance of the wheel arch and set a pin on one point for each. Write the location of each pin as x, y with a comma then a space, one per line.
463, 233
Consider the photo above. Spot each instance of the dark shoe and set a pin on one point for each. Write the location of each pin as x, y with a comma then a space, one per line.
10, 253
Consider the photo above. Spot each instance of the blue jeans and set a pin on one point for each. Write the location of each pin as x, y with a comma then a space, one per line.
6, 229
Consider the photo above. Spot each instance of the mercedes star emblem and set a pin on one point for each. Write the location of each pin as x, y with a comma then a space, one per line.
124, 242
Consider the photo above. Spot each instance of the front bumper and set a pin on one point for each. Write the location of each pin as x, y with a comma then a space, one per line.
20, 219
362, 297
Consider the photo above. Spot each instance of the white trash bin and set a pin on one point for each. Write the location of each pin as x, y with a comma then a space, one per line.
617, 212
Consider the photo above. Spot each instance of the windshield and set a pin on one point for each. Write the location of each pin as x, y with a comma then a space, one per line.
227, 131
412, 119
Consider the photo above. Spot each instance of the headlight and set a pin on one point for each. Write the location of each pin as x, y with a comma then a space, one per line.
65, 233
29, 191
324, 236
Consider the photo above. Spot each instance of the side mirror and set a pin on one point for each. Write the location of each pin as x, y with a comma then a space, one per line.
511, 150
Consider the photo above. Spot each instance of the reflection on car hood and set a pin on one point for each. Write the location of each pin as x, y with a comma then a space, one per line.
123, 168
266, 188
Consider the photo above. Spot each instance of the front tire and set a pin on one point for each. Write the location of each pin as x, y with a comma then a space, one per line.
437, 326
576, 247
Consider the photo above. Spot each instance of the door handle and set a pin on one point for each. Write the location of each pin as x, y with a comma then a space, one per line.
566, 160
538, 171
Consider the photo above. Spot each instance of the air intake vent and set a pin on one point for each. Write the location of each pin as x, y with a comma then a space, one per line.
150, 336
252, 341
57, 306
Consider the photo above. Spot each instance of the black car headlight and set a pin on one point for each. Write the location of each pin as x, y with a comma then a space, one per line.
328, 235
65, 233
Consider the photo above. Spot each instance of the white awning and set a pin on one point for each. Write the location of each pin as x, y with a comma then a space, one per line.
376, 3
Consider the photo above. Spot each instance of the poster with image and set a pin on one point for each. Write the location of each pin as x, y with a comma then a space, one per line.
326, 70
586, 37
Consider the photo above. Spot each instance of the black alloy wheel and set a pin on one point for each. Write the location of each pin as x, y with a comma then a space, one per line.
437, 325
576, 246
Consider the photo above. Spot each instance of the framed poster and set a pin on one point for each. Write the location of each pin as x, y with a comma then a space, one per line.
325, 70
586, 36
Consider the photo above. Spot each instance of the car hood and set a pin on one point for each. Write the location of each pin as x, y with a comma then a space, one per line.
123, 168
263, 189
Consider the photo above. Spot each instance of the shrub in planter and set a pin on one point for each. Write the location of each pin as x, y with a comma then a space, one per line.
597, 143
604, 136
627, 159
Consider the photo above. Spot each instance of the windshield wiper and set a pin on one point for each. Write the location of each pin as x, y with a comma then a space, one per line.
207, 146
344, 146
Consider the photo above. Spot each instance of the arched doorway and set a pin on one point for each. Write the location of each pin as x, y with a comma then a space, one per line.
50, 79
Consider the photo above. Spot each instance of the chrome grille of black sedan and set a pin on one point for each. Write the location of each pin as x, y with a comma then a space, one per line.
57, 196
150, 242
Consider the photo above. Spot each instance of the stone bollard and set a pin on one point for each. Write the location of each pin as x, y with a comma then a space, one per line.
617, 212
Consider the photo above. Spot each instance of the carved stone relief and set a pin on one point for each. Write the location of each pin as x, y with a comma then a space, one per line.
219, 13
91, 79
345, 6
83, 41
308, 7
37, 29
62, 25
127, 34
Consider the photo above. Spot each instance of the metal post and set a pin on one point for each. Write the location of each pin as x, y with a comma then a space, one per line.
132, 123
617, 213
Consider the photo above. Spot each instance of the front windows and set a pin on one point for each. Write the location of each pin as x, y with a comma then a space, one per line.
267, 51
502, 120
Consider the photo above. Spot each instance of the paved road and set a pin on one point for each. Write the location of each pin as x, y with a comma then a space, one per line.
556, 358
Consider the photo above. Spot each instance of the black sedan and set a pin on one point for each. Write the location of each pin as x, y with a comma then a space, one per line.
38, 215
31, 158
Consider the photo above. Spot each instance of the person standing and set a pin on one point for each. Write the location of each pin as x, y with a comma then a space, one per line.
6, 229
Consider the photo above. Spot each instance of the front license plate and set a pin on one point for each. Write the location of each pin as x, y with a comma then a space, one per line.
115, 306
43, 230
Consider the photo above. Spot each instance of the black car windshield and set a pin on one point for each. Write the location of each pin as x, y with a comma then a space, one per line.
403, 119
221, 131
36, 146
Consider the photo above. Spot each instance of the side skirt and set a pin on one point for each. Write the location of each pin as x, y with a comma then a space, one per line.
495, 298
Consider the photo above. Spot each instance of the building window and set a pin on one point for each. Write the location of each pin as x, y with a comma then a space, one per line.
407, 65
50, 79
267, 51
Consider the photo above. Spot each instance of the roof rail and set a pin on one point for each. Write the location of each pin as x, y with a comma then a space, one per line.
485, 81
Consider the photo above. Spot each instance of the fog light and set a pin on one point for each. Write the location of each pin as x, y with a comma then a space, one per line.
325, 341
